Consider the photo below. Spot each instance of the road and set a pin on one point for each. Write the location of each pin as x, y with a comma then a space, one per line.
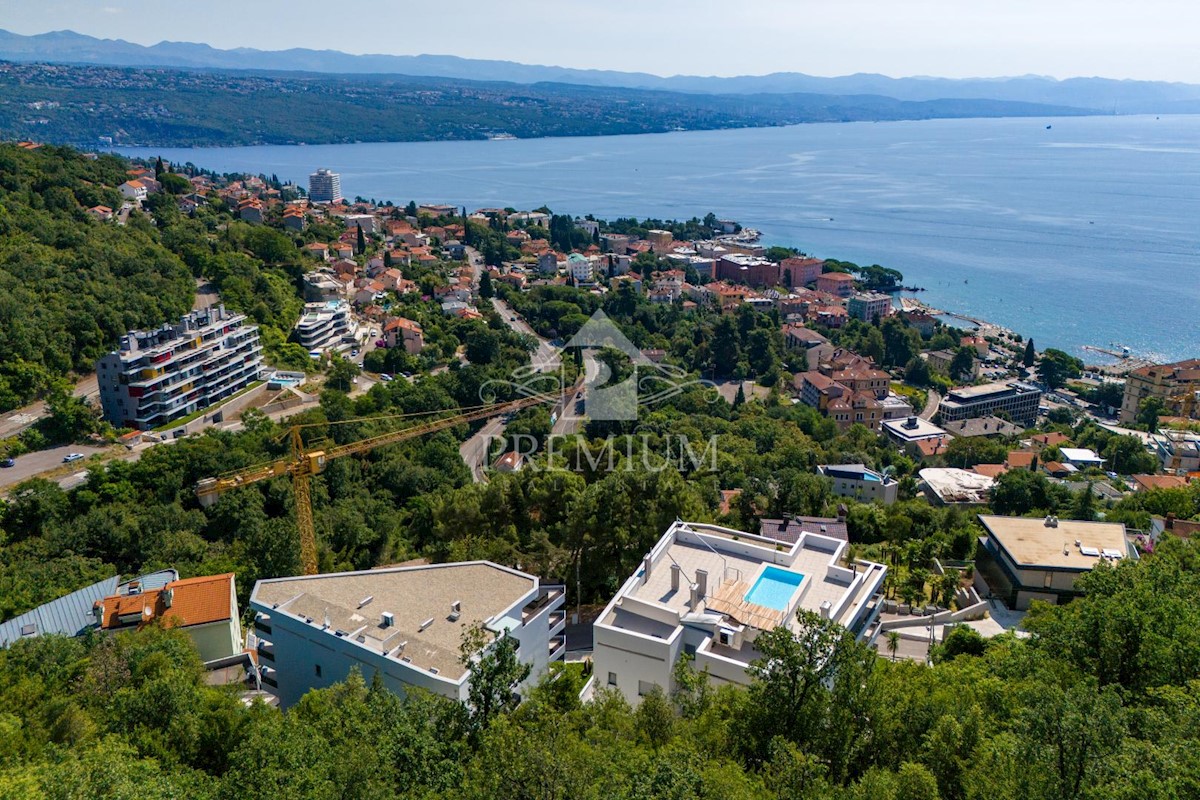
19, 419
474, 451
33, 464
546, 357
932, 401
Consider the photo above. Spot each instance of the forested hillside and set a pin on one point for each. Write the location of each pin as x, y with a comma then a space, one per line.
69, 284
176, 108
1100, 703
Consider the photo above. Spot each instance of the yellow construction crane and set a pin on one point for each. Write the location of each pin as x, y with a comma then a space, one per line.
1185, 403
302, 464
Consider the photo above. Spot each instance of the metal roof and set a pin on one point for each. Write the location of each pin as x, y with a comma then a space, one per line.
69, 615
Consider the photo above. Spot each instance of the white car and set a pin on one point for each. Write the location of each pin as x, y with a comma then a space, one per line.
69, 457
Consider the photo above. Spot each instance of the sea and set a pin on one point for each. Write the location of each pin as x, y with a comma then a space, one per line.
1073, 231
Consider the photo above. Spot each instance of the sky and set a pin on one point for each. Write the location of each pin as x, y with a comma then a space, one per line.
1148, 39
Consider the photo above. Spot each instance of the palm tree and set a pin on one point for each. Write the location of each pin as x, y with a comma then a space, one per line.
893, 643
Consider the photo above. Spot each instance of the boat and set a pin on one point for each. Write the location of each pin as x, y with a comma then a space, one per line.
1048, 127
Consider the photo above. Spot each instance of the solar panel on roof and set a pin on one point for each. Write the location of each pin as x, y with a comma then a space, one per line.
28, 630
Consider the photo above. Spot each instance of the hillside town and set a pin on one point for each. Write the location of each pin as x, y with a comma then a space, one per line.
941, 480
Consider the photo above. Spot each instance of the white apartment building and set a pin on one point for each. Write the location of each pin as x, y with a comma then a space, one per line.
162, 375
403, 624
582, 268
324, 186
323, 325
709, 591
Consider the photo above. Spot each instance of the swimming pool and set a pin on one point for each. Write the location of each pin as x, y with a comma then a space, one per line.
774, 588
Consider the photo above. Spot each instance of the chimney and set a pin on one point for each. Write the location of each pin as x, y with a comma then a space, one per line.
646, 564
387, 619
694, 597
702, 581
168, 596
675, 571
826, 609
842, 512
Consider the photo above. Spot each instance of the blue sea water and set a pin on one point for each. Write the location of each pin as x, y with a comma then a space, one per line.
1074, 231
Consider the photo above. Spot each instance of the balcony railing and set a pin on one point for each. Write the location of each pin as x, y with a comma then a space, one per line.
558, 647
547, 597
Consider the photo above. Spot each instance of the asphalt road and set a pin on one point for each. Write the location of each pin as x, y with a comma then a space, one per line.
546, 357
33, 464
474, 451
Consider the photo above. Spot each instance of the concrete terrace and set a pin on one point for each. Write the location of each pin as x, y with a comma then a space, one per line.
719, 559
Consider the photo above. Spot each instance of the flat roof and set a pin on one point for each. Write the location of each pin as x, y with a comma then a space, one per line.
1033, 543
727, 566
976, 392
412, 595
923, 429
957, 485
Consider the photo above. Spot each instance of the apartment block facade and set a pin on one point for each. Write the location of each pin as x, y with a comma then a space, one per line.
163, 375
403, 624
1018, 400
324, 186
1164, 381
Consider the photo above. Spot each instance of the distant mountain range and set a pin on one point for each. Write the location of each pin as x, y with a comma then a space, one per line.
1102, 95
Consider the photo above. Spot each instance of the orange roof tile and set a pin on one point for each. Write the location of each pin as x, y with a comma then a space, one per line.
197, 601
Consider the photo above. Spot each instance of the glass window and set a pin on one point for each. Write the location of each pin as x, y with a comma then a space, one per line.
612, 679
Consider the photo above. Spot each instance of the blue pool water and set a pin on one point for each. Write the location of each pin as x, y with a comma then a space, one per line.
774, 588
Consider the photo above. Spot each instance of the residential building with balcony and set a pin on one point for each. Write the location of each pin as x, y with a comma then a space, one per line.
861, 483
709, 592
163, 375
1021, 560
1164, 381
323, 325
324, 186
868, 306
1018, 400
836, 283
404, 625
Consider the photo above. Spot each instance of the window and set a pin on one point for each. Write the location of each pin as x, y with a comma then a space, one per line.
612, 679
646, 687
1046, 582
317, 669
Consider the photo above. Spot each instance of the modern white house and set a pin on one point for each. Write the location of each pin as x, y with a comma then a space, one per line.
709, 592
860, 482
323, 324
403, 624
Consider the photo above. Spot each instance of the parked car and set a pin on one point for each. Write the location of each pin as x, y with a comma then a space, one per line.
8, 462
69, 457
383, 376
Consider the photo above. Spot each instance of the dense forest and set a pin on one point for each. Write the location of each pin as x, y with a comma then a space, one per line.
176, 108
70, 285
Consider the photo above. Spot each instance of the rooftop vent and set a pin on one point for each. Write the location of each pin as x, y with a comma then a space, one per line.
910, 424
433, 670
387, 619
455, 611
425, 624
406, 659
366, 600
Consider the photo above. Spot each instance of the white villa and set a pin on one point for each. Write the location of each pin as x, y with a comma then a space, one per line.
710, 591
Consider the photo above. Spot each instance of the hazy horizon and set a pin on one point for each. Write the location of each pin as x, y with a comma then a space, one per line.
919, 38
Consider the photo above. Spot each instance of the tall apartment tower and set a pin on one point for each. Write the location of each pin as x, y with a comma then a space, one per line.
163, 375
324, 186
